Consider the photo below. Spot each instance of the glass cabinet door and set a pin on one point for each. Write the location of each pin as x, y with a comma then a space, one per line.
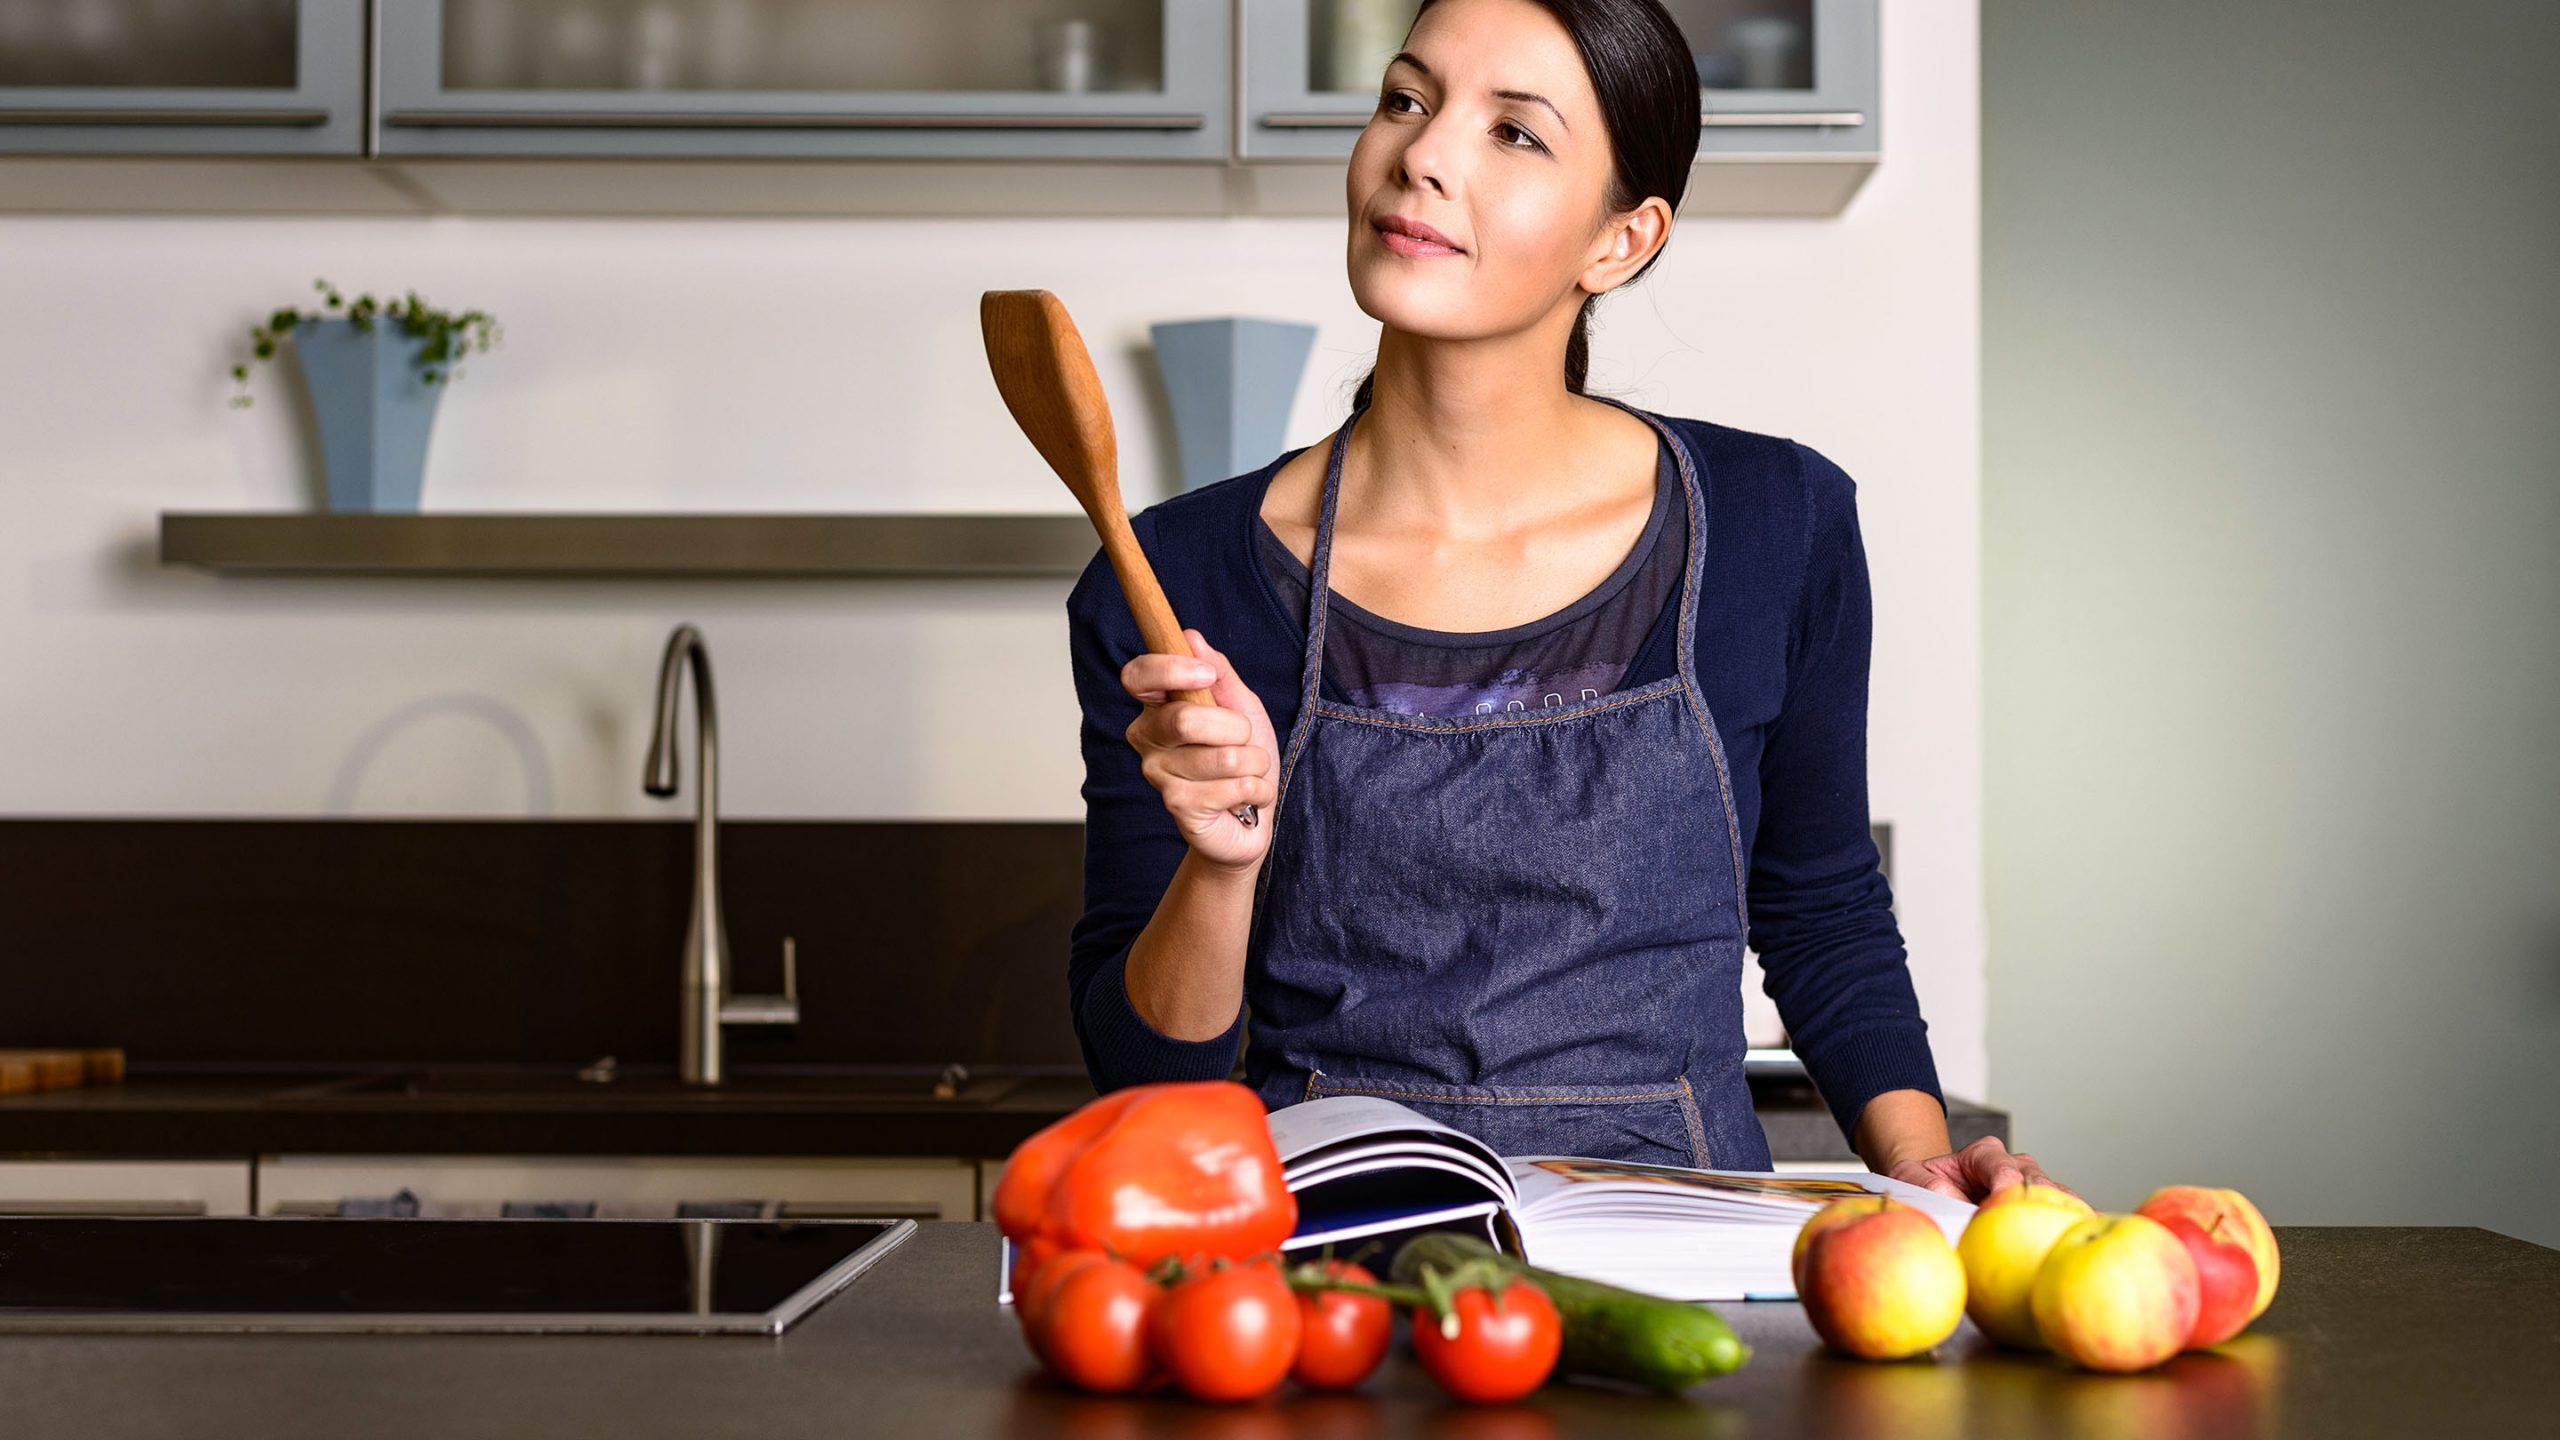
986, 79
1775, 76
182, 77
1784, 75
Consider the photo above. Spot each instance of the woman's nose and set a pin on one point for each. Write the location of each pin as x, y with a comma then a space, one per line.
1421, 162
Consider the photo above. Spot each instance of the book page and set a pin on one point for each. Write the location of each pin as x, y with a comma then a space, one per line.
1314, 1133
1546, 1181
1332, 1119
1374, 1156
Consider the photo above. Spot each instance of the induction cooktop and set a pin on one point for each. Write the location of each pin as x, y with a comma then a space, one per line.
411, 1274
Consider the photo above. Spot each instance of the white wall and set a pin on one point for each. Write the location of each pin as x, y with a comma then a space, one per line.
826, 364
2271, 381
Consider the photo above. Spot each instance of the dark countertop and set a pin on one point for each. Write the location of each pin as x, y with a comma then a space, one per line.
2375, 1332
537, 1113
494, 1112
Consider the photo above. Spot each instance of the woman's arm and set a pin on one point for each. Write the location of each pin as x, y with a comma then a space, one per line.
1831, 954
1185, 973
1901, 1125
1155, 970
1903, 1134
1821, 913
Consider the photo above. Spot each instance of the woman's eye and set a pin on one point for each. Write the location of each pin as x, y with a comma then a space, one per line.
1387, 102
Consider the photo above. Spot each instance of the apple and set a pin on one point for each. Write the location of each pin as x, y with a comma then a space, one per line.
2226, 1279
2239, 1219
1881, 1283
2116, 1292
2004, 1243
1833, 1214
2028, 1192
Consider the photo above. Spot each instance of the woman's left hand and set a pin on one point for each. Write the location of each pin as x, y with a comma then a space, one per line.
1975, 1171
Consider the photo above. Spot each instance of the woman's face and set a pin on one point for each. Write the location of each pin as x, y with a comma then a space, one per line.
1519, 186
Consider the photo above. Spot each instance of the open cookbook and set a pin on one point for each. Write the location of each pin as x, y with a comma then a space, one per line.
1363, 1165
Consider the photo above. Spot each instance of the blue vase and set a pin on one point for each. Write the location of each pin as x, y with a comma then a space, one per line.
373, 410
1231, 381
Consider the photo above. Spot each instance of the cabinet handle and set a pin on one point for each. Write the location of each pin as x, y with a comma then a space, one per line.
1314, 120
860, 1210
1337, 120
1721, 118
145, 115
796, 120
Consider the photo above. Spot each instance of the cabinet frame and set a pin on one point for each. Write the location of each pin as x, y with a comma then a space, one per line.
417, 115
322, 113
1281, 116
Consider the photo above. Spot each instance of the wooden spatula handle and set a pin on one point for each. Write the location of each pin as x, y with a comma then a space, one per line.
1147, 605
1047, 379
1154, 614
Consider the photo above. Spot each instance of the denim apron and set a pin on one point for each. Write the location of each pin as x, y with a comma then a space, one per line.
1528, 925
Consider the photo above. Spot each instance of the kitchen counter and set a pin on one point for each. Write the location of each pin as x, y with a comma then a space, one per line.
2375, 1332
549, 1113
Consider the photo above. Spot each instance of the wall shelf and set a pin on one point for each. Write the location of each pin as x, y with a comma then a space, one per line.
631, 545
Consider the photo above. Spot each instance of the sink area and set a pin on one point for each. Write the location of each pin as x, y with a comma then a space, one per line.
549, 1087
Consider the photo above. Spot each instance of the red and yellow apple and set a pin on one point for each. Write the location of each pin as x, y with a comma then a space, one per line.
1879, 1282
2223, 1216
2003, 1245
2116, 1292
1829, 1215
2226, 1279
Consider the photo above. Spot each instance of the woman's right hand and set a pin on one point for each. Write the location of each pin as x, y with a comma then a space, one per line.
1206, 760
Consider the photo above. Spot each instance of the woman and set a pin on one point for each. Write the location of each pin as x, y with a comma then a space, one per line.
1504, 865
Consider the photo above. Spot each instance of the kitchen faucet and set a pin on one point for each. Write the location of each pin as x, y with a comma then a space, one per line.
707, 1003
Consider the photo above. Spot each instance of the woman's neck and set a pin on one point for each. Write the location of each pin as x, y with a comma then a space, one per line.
1468, 442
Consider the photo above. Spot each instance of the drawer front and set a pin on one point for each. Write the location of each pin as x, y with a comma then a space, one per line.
921, 1188
124, 1187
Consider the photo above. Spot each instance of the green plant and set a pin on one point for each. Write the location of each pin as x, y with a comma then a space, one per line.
449, 336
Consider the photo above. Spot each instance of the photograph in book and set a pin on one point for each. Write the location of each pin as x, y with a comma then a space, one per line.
1805, 1188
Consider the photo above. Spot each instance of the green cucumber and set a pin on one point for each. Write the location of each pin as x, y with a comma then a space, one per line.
1668, 1345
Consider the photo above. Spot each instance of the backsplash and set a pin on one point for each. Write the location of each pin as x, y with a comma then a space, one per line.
342, 943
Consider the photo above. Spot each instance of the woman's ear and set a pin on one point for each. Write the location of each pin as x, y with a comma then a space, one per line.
1629, 242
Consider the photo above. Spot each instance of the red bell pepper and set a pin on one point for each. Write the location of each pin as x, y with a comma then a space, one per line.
1180, 1167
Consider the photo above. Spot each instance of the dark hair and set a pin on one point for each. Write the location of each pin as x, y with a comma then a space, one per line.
1647, 83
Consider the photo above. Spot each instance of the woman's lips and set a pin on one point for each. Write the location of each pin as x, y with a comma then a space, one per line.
1419, 249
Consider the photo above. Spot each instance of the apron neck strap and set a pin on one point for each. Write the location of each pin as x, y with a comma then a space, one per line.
1320, 566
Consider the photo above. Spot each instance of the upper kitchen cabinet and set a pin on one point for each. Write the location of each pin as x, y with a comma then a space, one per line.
1018, 80
1788, 91
182, 77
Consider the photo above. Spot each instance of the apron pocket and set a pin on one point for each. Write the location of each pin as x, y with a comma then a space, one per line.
1654, 1123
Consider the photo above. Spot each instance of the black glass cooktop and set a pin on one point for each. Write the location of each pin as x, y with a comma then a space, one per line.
286, 1273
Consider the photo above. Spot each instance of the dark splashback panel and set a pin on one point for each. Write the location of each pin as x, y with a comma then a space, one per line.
383, 942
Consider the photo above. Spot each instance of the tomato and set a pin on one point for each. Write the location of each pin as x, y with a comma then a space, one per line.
1032, 1288
1506, 1344
1229, 1332
1342, 1335
1088, 1320
1032, 1254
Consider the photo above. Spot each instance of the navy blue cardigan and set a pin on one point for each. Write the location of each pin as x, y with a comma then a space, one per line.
1782, 634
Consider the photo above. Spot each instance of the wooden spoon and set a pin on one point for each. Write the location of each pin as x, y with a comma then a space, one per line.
1047, 380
